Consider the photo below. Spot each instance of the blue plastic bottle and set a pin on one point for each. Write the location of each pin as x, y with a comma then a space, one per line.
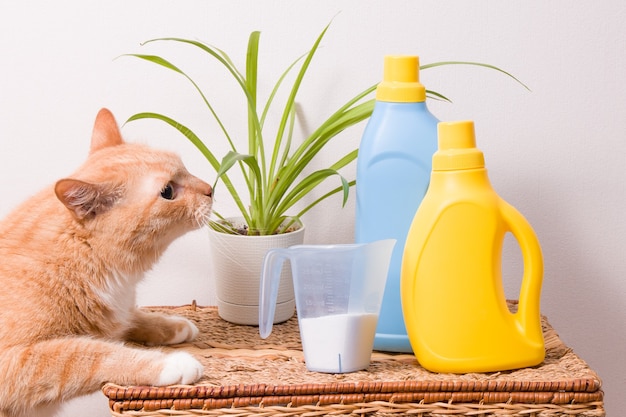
393, 173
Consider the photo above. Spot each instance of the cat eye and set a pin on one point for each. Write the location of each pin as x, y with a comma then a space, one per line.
168, 192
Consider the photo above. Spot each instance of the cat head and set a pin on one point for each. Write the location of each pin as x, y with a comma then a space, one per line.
131, 198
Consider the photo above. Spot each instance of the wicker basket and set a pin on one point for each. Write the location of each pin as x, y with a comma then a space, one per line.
248, 376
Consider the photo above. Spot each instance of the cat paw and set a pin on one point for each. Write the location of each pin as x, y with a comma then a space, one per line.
180, 368
186, 331
160, 329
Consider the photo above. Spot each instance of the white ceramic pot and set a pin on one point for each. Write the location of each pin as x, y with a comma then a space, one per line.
237, 263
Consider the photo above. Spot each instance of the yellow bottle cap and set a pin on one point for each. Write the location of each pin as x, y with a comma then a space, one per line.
457, 147
401, 80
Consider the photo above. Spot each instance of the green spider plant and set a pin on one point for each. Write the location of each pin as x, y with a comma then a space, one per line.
272, 166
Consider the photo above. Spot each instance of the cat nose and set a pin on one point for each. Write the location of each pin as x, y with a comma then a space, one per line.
200, 186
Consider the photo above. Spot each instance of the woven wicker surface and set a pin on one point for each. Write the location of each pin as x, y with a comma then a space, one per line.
246, 375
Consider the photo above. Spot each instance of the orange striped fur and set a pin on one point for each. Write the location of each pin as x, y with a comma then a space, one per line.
70, 258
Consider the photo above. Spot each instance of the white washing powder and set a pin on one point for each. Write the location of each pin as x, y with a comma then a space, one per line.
338, 343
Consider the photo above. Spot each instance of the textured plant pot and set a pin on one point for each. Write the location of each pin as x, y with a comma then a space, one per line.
237, 263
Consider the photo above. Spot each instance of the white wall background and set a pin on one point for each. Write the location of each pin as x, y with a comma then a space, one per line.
556, 153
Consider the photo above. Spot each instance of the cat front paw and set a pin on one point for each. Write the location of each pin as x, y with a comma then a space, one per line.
185, 331
180, 368
161, 329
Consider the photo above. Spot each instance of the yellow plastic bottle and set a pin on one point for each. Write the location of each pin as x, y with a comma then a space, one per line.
453, 300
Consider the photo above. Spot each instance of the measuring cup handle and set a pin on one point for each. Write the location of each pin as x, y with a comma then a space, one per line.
268, 290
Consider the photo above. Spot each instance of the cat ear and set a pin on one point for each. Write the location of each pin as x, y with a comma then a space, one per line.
84, 199
105, 131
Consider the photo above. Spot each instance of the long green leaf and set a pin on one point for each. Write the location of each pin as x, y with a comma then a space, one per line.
437, 96
306, 185
255, 142
276, 87
222, 58
296, 87
324, 197
283, 161
255, 178
274, 163
165, 63
478, 64
155, 59
345, 160
188, 133
218, 54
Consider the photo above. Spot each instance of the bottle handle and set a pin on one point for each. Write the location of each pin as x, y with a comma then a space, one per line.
530, 292
268, 288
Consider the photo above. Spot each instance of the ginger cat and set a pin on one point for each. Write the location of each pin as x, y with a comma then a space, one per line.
70, 258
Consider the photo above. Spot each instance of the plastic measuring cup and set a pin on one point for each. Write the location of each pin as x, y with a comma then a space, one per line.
339, 291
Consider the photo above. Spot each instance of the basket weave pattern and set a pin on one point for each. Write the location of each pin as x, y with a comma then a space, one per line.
247, 376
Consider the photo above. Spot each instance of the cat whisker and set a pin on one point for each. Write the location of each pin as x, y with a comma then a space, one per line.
202, 215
